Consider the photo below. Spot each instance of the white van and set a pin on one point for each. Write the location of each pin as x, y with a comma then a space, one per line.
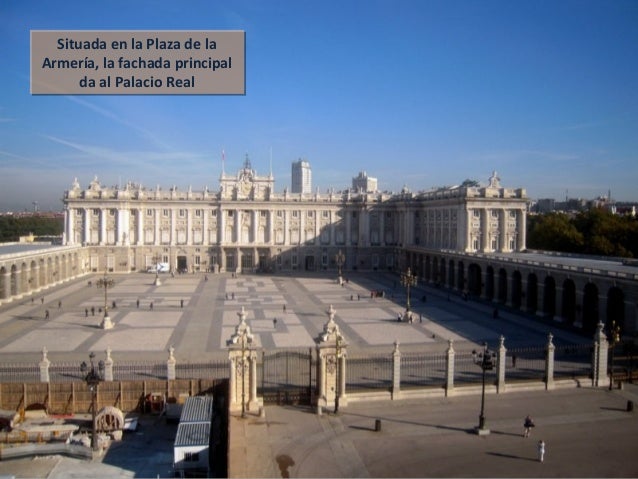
159, 268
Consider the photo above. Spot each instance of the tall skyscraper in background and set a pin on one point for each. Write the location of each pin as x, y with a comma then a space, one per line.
301, 177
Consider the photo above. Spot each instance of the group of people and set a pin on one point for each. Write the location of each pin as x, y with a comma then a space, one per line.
528, 424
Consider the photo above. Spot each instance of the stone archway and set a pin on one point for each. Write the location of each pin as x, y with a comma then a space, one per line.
616, 307
489, 283
569, 301
532, 293
517, 289
474, 280
590, 308
502, 285
549, 297
451, 273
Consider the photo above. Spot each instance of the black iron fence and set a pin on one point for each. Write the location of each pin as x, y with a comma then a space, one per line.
369, 372
418, 370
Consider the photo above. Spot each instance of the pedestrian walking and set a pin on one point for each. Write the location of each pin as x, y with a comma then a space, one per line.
86, 312
541, 450
206, 278
226, 295
151, 305
92, 310
274, 323
284, 308
42, 300
32, 299
46, 314
59, 304
137, 303
181, 303
528, 424
114, 304
232, 295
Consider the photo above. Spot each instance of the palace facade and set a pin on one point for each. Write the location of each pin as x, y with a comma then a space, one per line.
246, 226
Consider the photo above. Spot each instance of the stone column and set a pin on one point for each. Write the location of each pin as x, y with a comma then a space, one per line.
255, 226
173, 227
103, 219
521, 227
87, 225
502, 358
68, 223
108, 366
44, 367
468, 231
189, 228
449, 370
237, 215
271, 223
348, 235
158, 220
549, 363
205, 234
140, 226
396, 371
170, 364
485, 230
601, 353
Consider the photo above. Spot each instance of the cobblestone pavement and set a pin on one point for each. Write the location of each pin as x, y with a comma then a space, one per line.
588, 432
197, 315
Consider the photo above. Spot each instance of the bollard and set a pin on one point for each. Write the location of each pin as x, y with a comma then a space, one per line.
377, 425
630, 406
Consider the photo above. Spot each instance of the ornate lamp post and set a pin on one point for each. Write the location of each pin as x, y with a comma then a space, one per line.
106, 283
614, 338
484, 359
407, 279
340, 258
93, 378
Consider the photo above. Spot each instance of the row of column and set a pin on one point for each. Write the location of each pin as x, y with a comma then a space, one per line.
14, 284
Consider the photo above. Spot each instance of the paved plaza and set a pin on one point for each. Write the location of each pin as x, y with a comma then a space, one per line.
197, 313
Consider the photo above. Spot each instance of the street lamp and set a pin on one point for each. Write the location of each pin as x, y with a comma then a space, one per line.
340, 258
93, 378
106, 283
614, 338
484, 359
407, 279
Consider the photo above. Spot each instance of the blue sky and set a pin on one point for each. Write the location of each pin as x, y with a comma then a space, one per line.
419, 93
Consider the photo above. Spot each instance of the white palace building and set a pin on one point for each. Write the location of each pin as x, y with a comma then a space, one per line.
246, 226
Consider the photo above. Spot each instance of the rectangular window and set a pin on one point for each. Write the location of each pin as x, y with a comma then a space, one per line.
213, 213
149, 212
263, 213
311, 214
295, 214
165, 213
280, 214
325, 214
230, 213
182, 213
476, 213
198, 213
191, 457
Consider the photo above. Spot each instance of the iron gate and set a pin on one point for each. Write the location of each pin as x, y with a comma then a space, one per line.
286, 376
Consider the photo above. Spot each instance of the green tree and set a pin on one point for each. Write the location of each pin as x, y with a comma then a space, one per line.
554, 232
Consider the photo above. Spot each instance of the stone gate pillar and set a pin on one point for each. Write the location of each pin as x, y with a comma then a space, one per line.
243, 369
599, 361
449, 369
549, 363
44, 367
331, 354
502, 357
